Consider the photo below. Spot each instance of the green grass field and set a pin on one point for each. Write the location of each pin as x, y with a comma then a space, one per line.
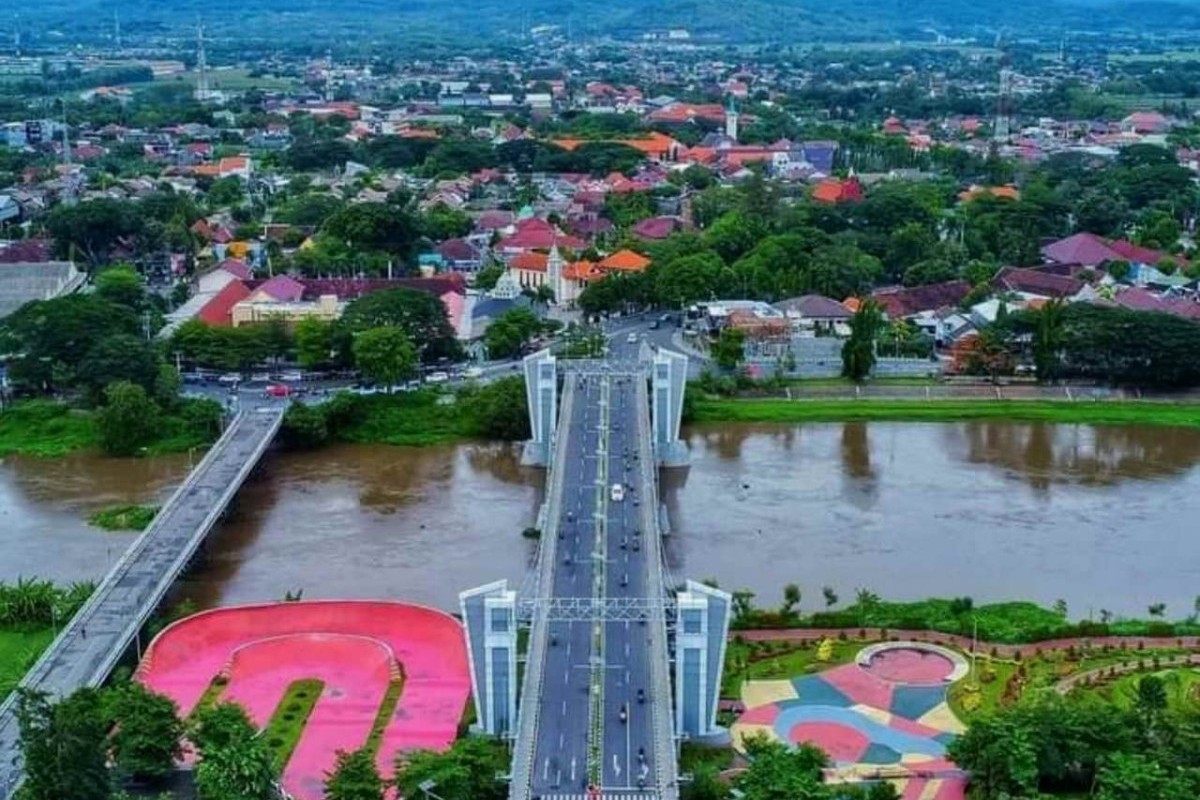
234, 80
1087, 413
123, 518
45, 430
18, 651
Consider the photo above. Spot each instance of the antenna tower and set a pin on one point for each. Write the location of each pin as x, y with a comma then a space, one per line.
202, 89
1003, 126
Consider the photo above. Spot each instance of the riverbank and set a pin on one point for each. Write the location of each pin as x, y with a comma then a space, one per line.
710, 409
48, 429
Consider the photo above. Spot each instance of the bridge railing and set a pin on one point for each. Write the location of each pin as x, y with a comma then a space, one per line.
529, 709
664, 723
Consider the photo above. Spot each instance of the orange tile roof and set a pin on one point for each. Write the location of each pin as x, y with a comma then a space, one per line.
529, 261
582, 271
652, 144
625, 261
1009, 192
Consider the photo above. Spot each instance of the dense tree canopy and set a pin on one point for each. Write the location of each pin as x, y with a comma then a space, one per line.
419, 314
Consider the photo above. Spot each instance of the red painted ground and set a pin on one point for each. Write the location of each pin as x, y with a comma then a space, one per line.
910, 666
862, 686
354, 647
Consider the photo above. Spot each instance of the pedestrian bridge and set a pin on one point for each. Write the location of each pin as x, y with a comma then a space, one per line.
620, 664
110, 622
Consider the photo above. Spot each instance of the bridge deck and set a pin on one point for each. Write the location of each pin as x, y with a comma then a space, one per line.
92, 643
585, 678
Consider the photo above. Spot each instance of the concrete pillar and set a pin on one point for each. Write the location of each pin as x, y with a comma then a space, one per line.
541, 392
490, 625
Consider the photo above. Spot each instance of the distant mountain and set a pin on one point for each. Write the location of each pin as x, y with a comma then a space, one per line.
363, 21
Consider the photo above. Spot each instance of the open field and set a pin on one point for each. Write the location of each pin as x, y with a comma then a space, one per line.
18, 651
235, 80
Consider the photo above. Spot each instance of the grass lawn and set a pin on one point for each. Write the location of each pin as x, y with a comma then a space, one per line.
779, 660
18, 651
44, 429
287, 723
1090, 413
123, 518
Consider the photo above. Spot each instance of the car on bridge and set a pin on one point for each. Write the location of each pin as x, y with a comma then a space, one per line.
618, 493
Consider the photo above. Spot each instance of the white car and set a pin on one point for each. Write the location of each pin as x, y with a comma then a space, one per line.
437, 377
632, 338
618, 492
472, 373
292, 376
230, 379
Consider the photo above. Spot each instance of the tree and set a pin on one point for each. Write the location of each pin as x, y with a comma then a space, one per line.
500, 409
385, 355
1151, 700
354, 777
858, 353
92, 228
53, 337
508, 334
831, 597
374, 226
241, 770
730, 348
1000, 755
121, 285
128, 420
791, 599
234, 761
467, 771
63, 745
120, 357
779, 772
743, 605
487, 278
1048, 338
419, 314
146, 740
314, 342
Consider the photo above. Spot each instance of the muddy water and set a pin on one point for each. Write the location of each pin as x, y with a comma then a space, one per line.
45, 503
1100, 517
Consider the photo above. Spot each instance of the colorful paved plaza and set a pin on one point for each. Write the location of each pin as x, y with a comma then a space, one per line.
887, 719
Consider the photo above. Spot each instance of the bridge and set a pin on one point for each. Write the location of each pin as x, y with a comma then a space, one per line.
110, 622
618, 665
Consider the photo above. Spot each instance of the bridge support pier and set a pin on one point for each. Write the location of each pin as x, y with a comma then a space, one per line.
702, 625
489, 616
541, 394
668, 383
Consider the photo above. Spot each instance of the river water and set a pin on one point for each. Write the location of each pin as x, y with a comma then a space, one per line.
1100, 517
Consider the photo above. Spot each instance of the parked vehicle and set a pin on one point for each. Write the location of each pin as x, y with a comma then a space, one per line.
472, 373
260, 377
230, 379
437, 377
632, 338
292, 376
278, 390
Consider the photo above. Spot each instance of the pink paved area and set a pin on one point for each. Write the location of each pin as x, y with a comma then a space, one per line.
910, 666
355, 647
860, 685
840, 742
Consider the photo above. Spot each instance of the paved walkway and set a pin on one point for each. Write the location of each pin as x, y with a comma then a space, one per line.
964, 642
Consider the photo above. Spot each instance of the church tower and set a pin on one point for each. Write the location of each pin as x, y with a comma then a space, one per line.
554, 272
731, 119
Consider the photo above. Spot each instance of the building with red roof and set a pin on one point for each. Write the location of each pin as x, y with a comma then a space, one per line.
656, 228
624, 261
218, 311
835, 191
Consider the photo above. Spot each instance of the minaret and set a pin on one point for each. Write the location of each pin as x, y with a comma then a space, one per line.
731, 119
554, 268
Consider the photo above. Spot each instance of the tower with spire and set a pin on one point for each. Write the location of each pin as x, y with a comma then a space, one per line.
554, 271
731, 119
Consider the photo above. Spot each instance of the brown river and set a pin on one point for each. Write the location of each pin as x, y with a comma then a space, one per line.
1099, 517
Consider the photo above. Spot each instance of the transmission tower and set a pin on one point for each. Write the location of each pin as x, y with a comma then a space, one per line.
203, 92
1003, 127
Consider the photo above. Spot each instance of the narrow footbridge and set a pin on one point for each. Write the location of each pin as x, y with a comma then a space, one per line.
93, 642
